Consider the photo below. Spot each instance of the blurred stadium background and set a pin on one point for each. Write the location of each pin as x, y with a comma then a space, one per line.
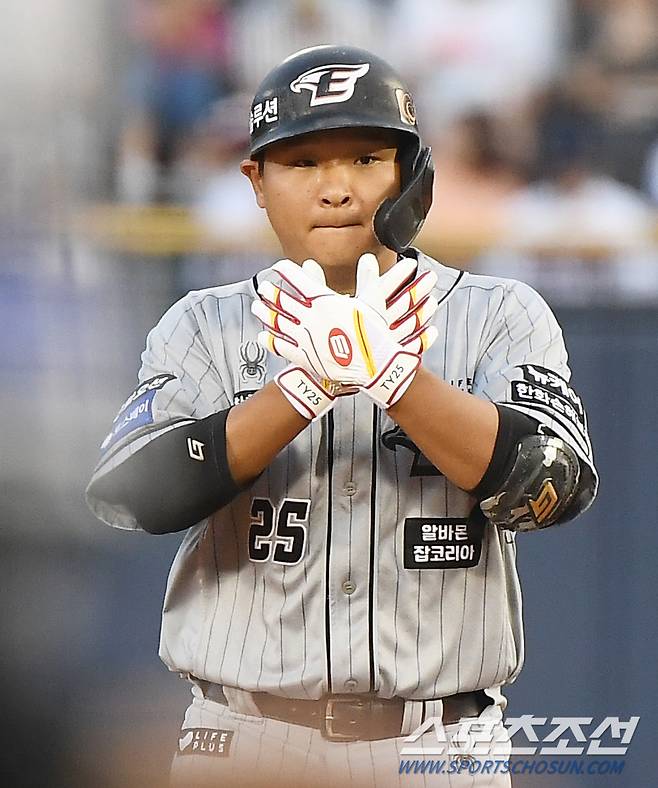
121, 126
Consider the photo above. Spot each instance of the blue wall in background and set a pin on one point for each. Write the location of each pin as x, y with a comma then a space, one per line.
590, 587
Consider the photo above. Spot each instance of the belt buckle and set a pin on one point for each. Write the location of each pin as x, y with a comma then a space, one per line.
328, 732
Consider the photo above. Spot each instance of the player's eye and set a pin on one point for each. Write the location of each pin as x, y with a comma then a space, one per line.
303, 163
367, 158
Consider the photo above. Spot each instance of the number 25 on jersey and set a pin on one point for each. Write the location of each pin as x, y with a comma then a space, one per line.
279, 536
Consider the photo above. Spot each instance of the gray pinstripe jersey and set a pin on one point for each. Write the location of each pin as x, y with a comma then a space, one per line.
350, 564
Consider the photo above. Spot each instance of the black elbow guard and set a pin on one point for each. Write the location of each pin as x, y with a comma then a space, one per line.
513, 426
175, 481
539, 488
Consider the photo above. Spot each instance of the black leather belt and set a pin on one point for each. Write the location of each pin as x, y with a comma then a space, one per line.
351, 717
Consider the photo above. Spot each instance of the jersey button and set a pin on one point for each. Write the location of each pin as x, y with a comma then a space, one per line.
349, 488
349, 587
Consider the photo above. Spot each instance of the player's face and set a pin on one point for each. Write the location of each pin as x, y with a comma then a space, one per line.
321, 192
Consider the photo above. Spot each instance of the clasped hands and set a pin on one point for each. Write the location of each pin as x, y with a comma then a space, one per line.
339, 344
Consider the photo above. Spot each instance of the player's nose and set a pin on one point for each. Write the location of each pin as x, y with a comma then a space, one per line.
334, 187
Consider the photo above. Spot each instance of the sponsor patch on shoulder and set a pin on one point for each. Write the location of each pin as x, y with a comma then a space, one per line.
136, 411
543, 387
205, 741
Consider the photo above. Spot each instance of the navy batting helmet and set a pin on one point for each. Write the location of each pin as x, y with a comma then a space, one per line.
337, 87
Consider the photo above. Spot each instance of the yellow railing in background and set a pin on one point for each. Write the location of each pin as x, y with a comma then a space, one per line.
162, 230
156, 230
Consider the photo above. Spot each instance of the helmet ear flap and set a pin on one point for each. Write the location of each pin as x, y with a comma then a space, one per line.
398, 219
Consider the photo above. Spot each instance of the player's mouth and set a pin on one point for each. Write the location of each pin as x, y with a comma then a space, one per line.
336, 226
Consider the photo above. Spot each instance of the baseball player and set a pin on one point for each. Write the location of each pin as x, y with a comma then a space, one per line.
351, 441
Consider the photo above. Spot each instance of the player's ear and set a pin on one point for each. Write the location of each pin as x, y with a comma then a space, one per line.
254, 171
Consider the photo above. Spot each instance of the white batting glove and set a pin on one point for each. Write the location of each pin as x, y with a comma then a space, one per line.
410, 307
335, 337
405, 302
304, 392
311, 397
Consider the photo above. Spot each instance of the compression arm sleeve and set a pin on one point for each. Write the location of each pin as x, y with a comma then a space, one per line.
513, 426
175, 481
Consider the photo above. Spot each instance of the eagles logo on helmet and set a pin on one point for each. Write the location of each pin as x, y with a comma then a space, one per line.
330, 84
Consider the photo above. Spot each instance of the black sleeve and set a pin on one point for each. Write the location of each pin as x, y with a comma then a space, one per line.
513, 426
176, 480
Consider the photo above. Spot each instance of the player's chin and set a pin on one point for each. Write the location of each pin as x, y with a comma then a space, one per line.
339, 245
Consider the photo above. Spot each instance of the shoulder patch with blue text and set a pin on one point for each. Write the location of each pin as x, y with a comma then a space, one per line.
136, 411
